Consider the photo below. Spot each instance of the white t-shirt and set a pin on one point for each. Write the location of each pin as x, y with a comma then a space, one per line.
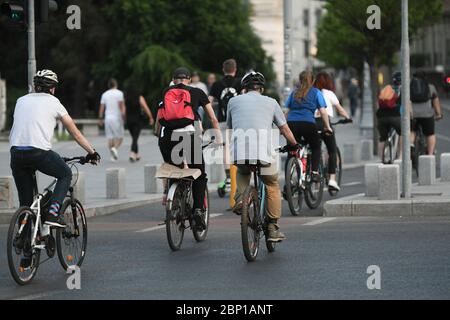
35, 119
331, 99
111, 99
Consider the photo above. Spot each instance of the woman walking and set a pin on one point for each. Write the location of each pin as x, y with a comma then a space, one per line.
136, 105
302, 105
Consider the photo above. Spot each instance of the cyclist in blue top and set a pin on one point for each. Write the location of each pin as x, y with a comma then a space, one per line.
302, 105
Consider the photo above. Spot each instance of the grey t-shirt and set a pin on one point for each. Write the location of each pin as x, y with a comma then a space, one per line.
425, 109
251, 117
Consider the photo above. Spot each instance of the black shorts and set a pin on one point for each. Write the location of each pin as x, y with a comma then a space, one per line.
427, 124
386, 123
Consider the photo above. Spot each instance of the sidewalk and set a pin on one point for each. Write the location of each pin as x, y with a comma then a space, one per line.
426, 201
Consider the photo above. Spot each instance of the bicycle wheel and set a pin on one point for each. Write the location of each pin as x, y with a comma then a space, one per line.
250, 224
338, 172
175, 219
72, 240
314, 190
200, 236
19, 244
293, 190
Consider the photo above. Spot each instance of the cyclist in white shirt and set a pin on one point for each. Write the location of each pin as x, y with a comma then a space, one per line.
324, 82
112, 106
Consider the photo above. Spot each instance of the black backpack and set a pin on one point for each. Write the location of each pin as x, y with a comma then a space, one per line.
225, 97
420, 91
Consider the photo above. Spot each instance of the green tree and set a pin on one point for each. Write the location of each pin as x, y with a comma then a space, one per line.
345, 41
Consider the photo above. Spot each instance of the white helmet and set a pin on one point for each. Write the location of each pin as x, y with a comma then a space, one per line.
45, 78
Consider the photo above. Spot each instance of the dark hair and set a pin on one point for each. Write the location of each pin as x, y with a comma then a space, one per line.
324, 81
229, 66
112, 83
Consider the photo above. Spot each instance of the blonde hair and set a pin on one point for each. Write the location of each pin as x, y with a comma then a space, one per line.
306, 79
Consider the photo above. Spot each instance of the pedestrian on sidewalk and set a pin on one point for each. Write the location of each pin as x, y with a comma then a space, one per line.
112, 107
136, 107
353, 96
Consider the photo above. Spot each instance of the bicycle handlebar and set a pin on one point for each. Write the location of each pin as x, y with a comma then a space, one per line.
342, 121
80, 160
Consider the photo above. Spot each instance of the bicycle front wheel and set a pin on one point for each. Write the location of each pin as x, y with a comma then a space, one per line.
175, 219
293, 190
19, 246
72, 240
314, 190
250, 224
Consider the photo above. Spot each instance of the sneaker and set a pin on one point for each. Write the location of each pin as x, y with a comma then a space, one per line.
114, 153
275, 235
54, 220
333, 185
25, 263
237, 209
199, 219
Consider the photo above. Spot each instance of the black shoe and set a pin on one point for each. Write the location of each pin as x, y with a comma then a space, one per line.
199, 219
54, 221
315, 177
25, 262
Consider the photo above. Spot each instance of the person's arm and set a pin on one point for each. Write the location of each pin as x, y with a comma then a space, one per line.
123, 109
214, 122
341, 111
101, 113
287, 133
437, 108
146, 109
71, 127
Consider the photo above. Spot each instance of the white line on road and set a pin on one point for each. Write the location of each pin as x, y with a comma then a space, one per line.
319, 221
212, 215
350, 184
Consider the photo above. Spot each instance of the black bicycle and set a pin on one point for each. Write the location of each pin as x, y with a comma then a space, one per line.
28, 236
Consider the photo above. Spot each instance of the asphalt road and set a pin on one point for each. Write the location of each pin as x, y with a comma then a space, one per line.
321, 258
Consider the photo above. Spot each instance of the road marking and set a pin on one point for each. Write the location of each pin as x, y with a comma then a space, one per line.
212, 215
38, 296
350, 184
319, 221
442, 137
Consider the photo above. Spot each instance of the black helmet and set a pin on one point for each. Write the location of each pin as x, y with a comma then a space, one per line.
253, 80
397, 77
45, 79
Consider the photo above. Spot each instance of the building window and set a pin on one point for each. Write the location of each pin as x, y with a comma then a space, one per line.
306, 17
306, 45
318, 15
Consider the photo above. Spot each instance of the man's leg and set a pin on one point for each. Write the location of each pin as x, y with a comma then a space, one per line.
242, 182
431, 144
273, 201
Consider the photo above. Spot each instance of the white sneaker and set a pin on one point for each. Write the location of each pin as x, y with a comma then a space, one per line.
113, 159
333, 185
114, 153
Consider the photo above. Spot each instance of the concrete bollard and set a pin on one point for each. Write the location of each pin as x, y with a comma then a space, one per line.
79, 189
389, 182
367, 150
115, 183
445, 167
6, 193
371, 179
151, 185
349, 153
427, 170
215, 172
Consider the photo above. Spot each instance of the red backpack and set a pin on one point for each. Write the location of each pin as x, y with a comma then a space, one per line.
176, 111
388, 99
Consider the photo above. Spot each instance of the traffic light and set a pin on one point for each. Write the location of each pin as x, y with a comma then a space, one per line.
15, 12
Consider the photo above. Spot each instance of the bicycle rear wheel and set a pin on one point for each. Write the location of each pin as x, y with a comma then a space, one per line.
314, 190
250, 224
19, 245
293, 190
200, 236
72, 240
175, 221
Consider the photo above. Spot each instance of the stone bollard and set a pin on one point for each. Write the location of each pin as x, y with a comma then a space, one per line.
367, 150
389, 182
115, 183
371, 179
150, 181
6, 193
445, 167
427, 170
399, 163
349, 153
215, 172
79, 189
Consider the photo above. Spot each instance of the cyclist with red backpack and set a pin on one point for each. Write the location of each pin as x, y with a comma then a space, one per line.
178, 142
388, 113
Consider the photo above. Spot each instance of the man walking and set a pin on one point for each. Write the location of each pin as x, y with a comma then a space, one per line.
112, 106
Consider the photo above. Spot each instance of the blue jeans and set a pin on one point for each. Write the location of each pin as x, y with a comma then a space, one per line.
25, 163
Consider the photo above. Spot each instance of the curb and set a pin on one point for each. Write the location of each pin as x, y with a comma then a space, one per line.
99, 210
360, 206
